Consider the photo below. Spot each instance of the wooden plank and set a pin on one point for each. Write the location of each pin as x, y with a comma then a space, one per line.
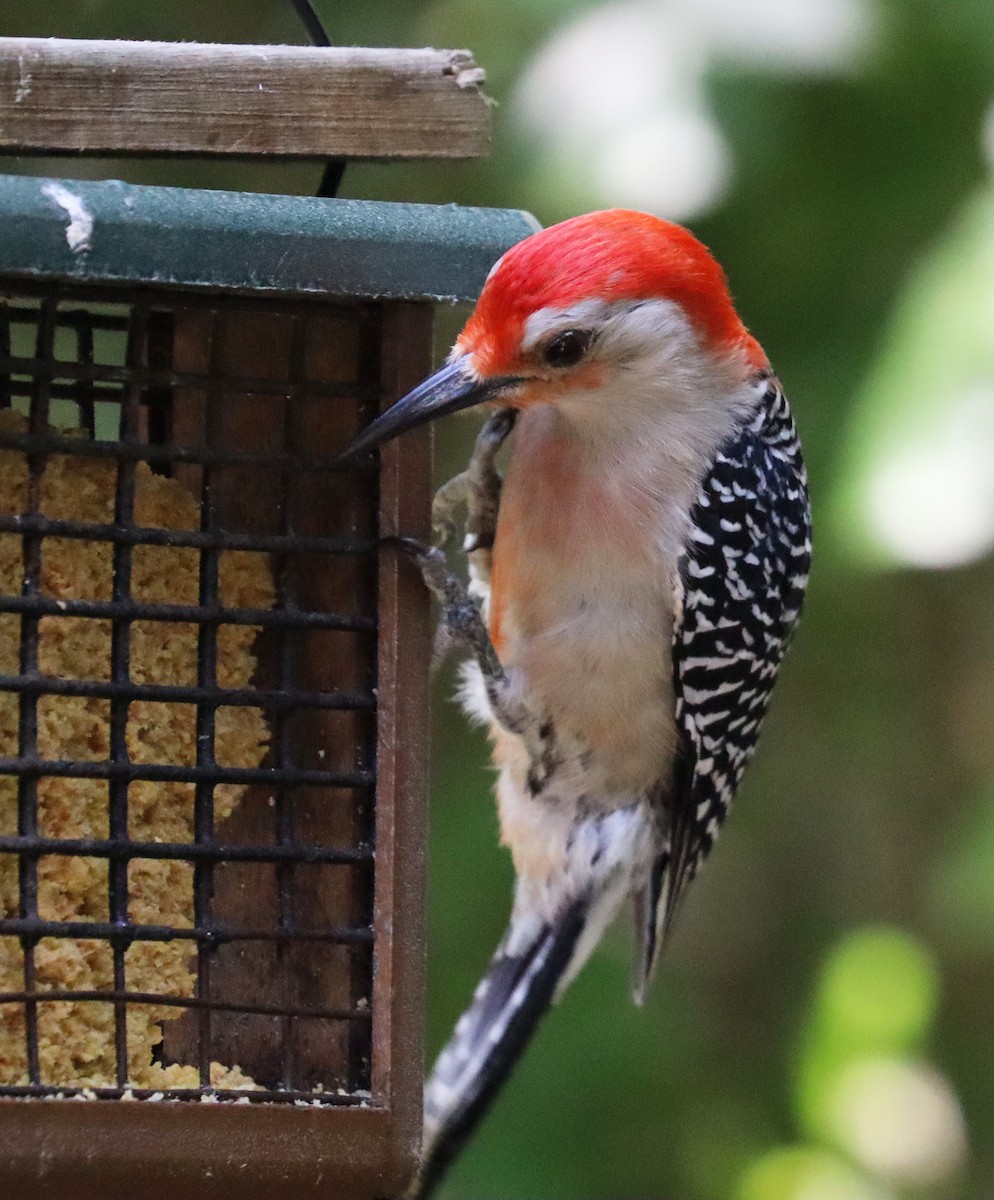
104, 97
403, 731
96, 1150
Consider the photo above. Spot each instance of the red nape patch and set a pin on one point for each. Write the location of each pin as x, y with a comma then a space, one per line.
613, 255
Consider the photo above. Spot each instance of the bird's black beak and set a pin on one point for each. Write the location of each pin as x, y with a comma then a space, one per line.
447, 391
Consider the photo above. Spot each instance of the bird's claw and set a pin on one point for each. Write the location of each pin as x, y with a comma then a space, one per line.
461, 618
430, 561
449, 498
494, 432
477, 489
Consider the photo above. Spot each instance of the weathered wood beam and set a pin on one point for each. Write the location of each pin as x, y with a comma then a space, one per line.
103, 97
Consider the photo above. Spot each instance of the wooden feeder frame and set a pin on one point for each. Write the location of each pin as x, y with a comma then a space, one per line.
202, 254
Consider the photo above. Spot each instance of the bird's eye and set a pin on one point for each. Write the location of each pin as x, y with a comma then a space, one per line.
567, 348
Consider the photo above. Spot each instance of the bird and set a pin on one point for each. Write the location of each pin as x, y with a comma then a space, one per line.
635, 576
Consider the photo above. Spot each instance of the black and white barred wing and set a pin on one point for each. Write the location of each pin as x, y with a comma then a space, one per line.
742, 583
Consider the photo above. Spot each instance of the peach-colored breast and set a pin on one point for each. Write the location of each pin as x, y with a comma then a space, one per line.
581, 609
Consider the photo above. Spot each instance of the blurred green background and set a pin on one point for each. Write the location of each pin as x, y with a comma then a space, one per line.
823, 1024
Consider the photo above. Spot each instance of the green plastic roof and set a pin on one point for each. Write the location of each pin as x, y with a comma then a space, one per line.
113, 232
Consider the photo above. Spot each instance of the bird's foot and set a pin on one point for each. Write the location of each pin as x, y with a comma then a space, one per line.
484, 483
462, 622
448, 500
477, 489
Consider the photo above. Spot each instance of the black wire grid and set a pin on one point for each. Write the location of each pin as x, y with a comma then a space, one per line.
106, 362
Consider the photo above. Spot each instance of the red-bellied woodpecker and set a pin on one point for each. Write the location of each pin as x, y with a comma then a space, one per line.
637, 575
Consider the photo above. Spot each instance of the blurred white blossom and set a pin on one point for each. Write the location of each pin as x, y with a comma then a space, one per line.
932, 503
900, 1120
618, 95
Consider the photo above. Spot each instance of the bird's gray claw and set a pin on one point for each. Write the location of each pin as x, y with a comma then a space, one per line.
460, 613
449, 498
430, 561
495, 430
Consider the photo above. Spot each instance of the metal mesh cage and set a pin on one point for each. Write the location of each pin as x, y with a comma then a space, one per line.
188, 659
213, 686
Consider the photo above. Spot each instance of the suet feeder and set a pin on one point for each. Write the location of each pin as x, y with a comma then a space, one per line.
212, 678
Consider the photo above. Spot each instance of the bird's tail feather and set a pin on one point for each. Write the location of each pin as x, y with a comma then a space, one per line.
490, 1037
647, 905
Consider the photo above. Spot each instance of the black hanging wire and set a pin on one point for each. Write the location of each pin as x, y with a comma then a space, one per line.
331, 179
